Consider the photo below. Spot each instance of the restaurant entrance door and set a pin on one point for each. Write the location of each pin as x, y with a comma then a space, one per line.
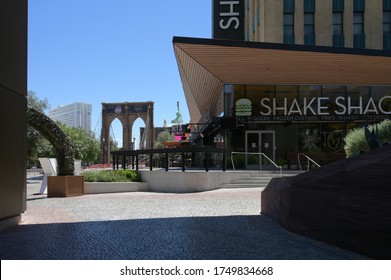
258, 144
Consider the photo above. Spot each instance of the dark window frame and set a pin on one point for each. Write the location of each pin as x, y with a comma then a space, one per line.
309, 27
338, 25
290, 24
387, 22
358, 25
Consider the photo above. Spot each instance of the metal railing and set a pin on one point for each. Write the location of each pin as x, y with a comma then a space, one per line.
144, 160
190, 157
308, 161
260, 160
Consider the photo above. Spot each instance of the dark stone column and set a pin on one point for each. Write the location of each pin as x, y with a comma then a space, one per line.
13, 110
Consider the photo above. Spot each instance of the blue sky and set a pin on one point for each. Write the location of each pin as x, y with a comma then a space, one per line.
98, 51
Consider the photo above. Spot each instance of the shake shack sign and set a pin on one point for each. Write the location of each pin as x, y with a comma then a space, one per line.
228, 19
314, 109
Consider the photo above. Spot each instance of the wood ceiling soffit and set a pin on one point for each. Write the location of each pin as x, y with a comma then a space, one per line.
204, 87
250, 65
195, 114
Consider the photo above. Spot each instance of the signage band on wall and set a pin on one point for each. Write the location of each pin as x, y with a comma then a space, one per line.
329, 118
315, 109
324, 106
228, 19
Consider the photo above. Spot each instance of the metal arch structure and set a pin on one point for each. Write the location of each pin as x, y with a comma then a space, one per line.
127, 113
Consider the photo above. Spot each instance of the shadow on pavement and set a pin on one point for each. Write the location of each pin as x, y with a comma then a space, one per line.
192, 238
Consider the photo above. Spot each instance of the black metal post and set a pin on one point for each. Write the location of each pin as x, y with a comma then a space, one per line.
206, 161
224, 161
166, 162
183, 162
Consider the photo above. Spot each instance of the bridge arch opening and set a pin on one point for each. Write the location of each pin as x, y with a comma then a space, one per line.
116, 134
127, 113
139, 135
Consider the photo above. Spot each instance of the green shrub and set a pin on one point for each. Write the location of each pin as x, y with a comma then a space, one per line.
355, 141
112, 176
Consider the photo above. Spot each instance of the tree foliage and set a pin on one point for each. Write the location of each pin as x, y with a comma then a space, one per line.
163, 136
34, 102
87, 147
37, 145
62, 145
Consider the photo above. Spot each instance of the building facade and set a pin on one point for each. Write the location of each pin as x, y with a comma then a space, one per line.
338, 23
285, 78
73, 115
13, 111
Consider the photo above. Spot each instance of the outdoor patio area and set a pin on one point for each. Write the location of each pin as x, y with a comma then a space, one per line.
219, 224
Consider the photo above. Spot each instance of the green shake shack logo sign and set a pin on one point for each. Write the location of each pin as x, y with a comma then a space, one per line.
243, 107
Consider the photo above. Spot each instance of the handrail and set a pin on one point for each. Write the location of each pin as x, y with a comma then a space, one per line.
144, 160
308, 161
260, 163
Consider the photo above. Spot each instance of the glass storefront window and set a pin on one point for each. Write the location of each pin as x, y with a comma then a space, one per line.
250, 99
306, 100
228, 100
335, 98
285, 96
357, 98
309, 138
256, 94
310, 119
381, 95
232, 93
353, 125
332, 137
306, 94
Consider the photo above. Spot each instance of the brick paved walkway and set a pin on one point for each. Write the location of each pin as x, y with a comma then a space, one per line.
221, 224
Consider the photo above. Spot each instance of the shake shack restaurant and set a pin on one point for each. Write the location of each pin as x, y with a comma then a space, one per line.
281, 100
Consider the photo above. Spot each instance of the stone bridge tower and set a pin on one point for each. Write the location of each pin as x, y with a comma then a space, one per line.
127, 113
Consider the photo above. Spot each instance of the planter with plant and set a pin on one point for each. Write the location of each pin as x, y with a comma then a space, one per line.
367, 138
65, 183
112, 181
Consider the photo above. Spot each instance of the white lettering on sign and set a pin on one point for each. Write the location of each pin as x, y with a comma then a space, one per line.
233, 16
381, 107
340, 105
176, 128
319, 106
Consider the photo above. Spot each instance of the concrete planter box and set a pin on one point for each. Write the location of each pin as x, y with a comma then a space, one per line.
184, 182
114, 187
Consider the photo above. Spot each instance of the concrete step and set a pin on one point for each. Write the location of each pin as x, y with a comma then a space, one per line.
251, 181
257, 180
243, 186
267, 176
248, 183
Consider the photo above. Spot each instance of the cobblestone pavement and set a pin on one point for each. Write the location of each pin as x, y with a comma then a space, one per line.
223, 224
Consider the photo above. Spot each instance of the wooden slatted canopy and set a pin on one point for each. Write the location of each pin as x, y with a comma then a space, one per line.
205, 65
